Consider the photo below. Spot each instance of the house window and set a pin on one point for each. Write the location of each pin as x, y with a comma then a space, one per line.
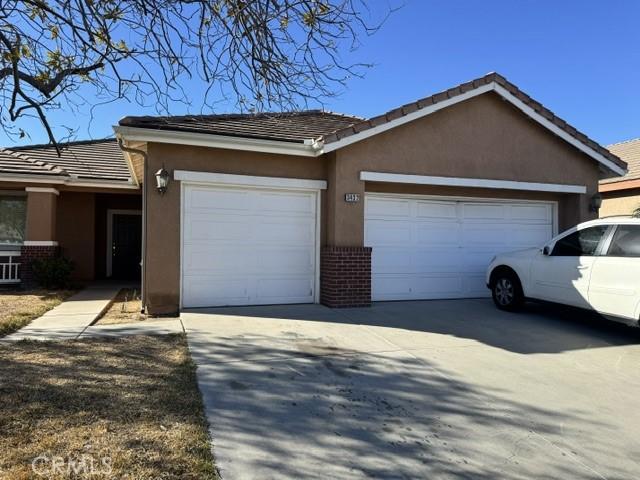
13, 219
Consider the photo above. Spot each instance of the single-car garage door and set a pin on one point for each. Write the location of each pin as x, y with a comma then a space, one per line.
247, 246
425, 248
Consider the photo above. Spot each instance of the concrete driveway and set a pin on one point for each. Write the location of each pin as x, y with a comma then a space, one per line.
439, 389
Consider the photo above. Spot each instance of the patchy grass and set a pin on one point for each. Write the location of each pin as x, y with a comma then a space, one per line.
131, 403
125, 308
18, 308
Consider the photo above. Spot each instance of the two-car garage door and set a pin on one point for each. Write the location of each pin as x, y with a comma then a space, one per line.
248, 246
439, 248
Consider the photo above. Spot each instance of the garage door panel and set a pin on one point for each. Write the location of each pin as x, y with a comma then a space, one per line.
391, 260
271, 289
440, 210
288, 203
443, 248
532, 213
260, 250
483, 211
203, 199
388, 232
387, 208
432, 233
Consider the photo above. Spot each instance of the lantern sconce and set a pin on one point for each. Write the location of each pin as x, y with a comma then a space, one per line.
162, 180
596, 202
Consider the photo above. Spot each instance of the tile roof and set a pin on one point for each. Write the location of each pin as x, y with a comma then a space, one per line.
86, 160
18, 164
296, 127
628, 151
459, 90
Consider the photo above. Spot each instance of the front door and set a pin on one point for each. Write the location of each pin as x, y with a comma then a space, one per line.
126, 246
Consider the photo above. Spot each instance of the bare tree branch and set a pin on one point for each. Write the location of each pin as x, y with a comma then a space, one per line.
265, 54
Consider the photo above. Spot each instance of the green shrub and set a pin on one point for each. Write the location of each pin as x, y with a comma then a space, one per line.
52, 272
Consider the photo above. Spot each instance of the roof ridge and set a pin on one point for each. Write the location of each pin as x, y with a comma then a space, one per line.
295, 113
63, 144
21, 156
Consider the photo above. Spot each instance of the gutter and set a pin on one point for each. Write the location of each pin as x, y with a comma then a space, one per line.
62, 180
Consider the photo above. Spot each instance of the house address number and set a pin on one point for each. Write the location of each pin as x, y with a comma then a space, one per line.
352, 197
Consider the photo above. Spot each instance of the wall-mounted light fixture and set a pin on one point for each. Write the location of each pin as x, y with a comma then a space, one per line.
596, 202
162, 180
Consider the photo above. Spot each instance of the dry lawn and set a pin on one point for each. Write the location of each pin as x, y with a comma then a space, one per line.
130, 405
124, 309
18, 308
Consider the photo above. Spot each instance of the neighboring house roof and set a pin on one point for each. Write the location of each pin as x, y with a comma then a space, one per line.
89, 160
628, 151
99, 161
316, 132
298, 127
17, 164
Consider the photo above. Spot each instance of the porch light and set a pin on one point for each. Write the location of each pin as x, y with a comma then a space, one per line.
162, 180
596, 202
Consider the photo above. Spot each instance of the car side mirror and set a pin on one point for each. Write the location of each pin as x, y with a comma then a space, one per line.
546, 251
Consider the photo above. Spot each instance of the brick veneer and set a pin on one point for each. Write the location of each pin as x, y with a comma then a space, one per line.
345, 276
28, 254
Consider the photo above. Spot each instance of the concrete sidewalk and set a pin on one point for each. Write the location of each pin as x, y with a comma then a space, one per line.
70, 318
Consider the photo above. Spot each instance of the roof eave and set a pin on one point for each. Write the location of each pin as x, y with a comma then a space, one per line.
305, 149
65, 180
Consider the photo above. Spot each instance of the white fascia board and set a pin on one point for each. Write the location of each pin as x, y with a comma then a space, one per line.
216, 141
72, 182
423, 112
471, 182
248, 180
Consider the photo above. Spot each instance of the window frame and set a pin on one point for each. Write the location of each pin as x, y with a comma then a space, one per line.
609, 243
23, 195
600, 250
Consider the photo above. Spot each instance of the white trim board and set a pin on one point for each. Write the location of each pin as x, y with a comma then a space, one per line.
57, 180
110, 214
305, 149
470, 182
314, 148
40, 243
248, 180
42, 190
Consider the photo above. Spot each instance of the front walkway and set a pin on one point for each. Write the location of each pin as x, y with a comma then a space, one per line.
74, 317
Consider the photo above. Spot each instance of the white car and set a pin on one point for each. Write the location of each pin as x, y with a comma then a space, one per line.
595, 265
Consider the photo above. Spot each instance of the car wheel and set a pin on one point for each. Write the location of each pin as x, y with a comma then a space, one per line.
507, 291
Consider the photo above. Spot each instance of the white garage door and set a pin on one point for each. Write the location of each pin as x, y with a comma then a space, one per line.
247, 246
427, 249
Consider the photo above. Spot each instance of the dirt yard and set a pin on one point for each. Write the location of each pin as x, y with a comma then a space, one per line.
18, 308
125, 308
117, 408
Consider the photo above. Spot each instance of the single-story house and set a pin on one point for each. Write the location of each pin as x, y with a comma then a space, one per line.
312, 206
621, 195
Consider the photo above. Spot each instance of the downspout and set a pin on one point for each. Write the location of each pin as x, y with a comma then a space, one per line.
143, 154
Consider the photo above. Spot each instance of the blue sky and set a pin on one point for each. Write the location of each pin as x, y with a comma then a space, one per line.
579, 58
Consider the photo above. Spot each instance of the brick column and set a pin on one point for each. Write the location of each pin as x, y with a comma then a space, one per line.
345, 276
32, 251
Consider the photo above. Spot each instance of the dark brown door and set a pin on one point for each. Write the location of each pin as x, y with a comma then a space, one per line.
126, 246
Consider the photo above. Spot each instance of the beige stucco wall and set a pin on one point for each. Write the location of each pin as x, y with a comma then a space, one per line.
75, 229
162, 256
484, 137
622, 202
481, 138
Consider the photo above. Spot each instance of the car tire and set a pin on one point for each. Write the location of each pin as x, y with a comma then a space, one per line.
506, 291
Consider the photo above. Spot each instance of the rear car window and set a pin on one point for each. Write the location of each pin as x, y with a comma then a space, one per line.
625, 242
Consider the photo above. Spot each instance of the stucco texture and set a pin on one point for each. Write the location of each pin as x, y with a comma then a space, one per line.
484, 137
622, 202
